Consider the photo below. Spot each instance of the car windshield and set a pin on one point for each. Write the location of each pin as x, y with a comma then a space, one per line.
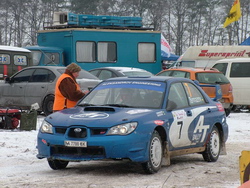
126, 94
211, 78
137, 73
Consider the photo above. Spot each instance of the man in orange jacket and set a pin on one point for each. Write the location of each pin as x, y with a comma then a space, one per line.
67, 91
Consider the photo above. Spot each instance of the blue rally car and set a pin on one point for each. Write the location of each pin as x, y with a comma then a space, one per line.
145, 120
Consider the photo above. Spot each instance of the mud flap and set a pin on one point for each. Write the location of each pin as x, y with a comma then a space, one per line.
223, 149
166, 155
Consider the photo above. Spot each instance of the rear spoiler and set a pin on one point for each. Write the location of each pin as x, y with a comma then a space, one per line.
218, 92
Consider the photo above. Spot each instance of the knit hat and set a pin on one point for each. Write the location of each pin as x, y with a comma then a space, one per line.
73, 67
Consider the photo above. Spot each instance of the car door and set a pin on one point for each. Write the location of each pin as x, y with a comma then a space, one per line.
188, 108
37, 88
13, 91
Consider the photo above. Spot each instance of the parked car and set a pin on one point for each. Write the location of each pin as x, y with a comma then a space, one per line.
36, 84
166, 116
237, 72
206, 76
104, 73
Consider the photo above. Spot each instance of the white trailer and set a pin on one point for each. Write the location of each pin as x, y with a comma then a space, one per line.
206, 56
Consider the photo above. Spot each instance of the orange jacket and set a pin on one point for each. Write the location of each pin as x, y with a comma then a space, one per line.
60, 101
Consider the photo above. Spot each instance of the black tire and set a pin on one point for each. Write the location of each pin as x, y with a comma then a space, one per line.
227, 111
48, 105
155, 154
57, 164
213, 147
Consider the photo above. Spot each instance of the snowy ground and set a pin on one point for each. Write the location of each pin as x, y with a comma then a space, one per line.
19, 166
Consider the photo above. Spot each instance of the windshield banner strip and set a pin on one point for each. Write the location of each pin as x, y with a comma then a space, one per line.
158, 86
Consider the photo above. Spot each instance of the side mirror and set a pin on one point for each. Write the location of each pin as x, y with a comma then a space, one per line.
196, 82
7, 79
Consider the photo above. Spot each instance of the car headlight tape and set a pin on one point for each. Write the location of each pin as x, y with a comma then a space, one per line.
123, 129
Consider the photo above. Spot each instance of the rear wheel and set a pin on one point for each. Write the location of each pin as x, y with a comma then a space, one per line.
57, 164
48, 105
213, 147
155, 154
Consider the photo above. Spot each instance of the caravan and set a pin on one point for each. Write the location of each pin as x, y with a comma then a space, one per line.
206, 56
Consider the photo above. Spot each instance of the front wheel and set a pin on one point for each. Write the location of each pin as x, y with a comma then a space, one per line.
48, 105
213, 147
155, 154
57, 164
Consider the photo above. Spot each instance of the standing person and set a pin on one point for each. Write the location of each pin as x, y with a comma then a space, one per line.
67, 91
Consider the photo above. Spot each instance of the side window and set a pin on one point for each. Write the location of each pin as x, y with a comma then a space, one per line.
36, 56
240, 70
165, 73
20, 60
23, 76
94, 72
181, 74
51, 59
177, 97
86, 51
146, 52
222, 67
195, 97
4, 59
105, 74
41, 75
51, 76
107, 52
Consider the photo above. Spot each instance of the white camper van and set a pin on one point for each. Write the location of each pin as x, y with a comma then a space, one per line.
237, 70
206, 56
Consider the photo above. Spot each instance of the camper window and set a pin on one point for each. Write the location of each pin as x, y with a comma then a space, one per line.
146, 52
85, 51
107, 52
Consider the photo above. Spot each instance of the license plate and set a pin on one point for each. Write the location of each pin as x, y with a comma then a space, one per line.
75, 144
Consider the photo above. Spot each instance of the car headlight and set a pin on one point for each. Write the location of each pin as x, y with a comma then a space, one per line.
46, 127
123, 129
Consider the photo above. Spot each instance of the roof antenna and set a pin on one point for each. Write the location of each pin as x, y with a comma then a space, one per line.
206, 65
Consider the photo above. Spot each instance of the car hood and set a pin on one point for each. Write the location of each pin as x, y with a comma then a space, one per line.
101, 116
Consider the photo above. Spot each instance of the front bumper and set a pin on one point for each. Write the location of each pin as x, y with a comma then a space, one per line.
133, 147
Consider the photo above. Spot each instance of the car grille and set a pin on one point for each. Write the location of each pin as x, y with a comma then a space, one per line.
77, 132
80, 134
61, 130
76, 152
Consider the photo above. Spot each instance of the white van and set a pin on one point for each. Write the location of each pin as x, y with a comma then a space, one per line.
237, 70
